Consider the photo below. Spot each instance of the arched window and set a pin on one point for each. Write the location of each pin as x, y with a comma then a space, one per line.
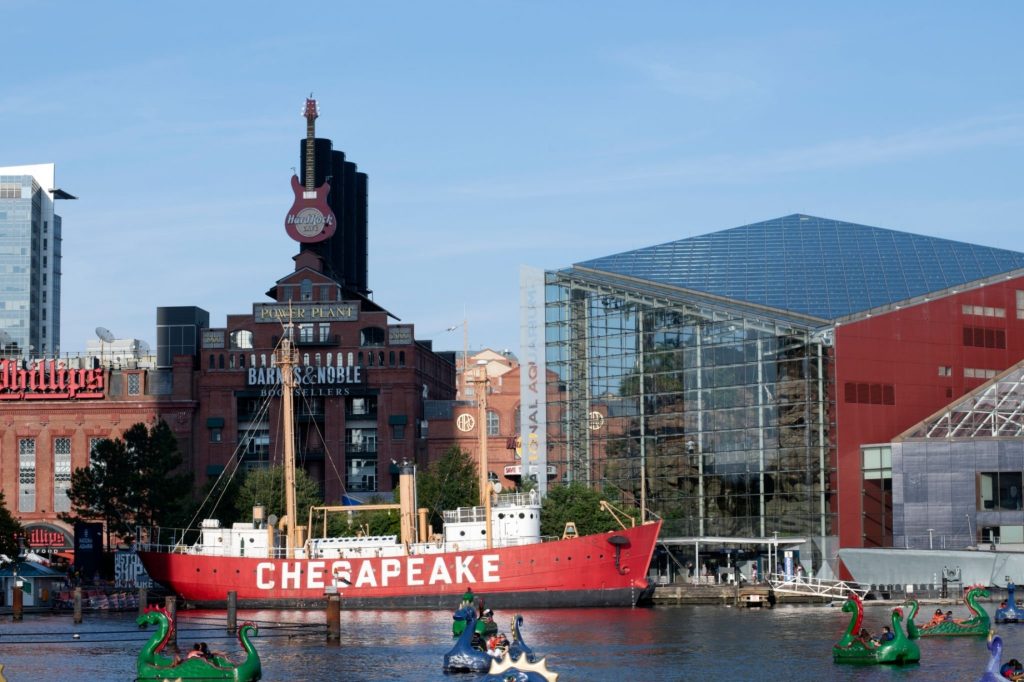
241, 339
493, 423
252, 359
241, 360
370, 358
380, 358
316, 359
401, 358
371, 336
263, 360
305, 359
516, 416
220, 362
231, 360
329, 360
350, 358
360, 358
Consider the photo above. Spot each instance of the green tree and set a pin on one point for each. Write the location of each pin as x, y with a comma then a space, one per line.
10, 528
451, 482
130, 482
266, 487
354, 522
578, 503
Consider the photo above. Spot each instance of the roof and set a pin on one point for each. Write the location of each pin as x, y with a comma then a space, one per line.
813, 266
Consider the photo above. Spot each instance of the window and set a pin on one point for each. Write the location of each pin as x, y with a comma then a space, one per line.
945, 371
325, 333
985, 311
306, 332
26, 475
306, 290
61, 474
216, 434
999, 490
93, 442
241, 339
401, 358
398, 432
984, 337
872, 394
975, 373
134, 384
371, 336
1020, 305
493, 423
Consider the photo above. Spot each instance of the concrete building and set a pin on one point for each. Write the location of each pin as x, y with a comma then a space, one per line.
742, 370
30, 255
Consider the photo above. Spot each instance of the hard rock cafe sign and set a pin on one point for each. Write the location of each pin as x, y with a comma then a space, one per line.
48, 380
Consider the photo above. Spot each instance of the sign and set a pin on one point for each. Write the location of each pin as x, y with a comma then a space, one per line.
465, 422
278, 313
533, 372
88, 548
48, 380
306, 375
213, 338
400, 335
46, 539
129, 572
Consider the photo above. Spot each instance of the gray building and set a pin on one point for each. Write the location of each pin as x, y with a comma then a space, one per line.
957, 476
30, 256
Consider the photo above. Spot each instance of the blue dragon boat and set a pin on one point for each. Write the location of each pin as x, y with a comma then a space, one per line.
1011, 612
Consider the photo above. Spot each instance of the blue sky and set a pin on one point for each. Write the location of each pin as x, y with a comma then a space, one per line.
494, 135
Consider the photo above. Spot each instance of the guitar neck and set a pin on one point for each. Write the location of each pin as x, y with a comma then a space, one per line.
310, 156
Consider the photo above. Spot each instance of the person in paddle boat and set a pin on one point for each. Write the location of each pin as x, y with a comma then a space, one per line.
938, 617
486, 625
477, 642
866, 639
196, 652
886, 636
1012, 670
497, 645
948, 618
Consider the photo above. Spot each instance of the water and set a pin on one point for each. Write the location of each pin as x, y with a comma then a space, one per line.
786, 644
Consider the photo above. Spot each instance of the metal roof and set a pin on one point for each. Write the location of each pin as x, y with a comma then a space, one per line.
813, 266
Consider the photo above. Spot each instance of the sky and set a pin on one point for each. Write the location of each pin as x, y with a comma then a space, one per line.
495, 135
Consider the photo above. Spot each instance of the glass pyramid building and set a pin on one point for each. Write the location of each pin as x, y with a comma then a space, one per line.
812, 266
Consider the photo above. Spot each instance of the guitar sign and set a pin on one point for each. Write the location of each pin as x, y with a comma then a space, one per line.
310, 220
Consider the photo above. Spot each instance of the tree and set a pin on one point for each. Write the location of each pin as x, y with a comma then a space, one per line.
451, 482
354, 522
578, 503
266, 487
10, 528
130, 482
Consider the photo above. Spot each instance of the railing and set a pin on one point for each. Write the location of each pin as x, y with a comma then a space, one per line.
819, 587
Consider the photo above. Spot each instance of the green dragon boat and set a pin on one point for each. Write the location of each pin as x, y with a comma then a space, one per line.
978, 625
851, 648
153, 665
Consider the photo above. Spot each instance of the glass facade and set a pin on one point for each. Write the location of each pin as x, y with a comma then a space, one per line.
30, 262
716, 418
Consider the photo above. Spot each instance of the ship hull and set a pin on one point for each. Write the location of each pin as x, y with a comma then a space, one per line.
606, 569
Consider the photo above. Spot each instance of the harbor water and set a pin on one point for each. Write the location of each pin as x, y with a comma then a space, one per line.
784, 644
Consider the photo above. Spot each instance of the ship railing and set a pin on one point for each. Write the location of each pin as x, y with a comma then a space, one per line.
818, 587
167, 540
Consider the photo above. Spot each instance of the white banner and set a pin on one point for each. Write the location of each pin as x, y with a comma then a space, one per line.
533, 376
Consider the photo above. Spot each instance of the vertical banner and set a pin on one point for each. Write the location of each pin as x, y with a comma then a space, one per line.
533, 377
88, 549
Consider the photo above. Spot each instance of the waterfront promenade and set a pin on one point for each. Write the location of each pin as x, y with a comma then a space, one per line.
596, 645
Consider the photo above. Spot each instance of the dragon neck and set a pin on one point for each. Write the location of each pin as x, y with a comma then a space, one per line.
856, 618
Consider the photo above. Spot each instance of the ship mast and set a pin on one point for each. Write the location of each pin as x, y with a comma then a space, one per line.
482, 381
286, 359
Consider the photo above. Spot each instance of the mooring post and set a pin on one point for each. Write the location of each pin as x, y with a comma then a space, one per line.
333, 618
143, 600
77, 617
18, 599
171, 605
232, 612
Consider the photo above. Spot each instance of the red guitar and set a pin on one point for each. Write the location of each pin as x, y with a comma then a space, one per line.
311, 219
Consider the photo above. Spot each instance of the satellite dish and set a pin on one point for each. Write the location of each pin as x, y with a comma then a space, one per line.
5, 338
143, 348
272, 519
104, 334
497, 487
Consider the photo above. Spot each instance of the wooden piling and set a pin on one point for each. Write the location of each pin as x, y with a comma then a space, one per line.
171, 605
333, 618
18, 601
143, 600
77, 617
232, 612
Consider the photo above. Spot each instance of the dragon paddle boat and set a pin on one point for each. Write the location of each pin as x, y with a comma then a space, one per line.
851, 648
464, 657
154, 665
1009, 612
978, 625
